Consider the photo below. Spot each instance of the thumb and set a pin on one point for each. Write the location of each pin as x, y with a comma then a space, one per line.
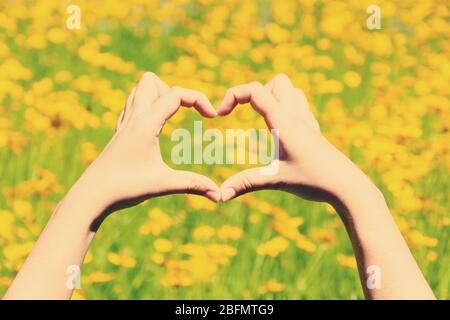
194, 183
246, 181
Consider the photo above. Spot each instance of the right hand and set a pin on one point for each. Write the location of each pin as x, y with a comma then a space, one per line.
309, 166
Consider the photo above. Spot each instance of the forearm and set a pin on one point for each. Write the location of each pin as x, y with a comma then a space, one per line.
48, 270
386, 266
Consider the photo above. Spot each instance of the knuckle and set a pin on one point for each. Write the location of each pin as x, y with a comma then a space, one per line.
194, 185
256, 85
299, 92
281, 76
201, 96
174, 94
175, 90
246, 183
148, 75
229, 92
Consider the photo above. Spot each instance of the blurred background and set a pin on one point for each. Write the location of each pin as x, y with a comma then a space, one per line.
381, 96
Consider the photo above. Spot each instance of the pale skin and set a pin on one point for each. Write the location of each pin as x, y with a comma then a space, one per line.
312, 168
130, 169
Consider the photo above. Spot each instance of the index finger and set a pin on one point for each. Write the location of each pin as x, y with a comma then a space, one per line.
254, 93
172, 100
149, 89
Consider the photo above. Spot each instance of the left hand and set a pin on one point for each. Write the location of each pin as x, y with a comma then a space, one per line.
130, 169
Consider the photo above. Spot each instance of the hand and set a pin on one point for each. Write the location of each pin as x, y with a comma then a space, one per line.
308, 164
130, 169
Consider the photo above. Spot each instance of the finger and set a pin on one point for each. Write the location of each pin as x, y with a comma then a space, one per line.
194, 183
255, 93
128, 108
171, 101
282, 88
303, 105
120, 119
246, 181
161, 86
269, 85
148, 90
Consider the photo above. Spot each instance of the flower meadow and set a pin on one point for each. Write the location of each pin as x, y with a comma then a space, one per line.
381, 96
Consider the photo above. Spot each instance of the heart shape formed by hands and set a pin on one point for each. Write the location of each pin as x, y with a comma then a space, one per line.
134, 156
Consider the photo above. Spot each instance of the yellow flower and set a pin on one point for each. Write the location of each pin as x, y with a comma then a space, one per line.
78, 295
380, 68
36, 41
422, 87
16, 252
193, 249
6, 225
416, 239
228, 232
98, 277
273, 247
336, 17
157, 258
284, 12
42, 87
353, 56
163, 245
286, 225
220, 253
257, 55
329, 87
203, 232
122, 259
245, 294
57, 35
178, 278
89, 152
254, 218
352, 79
329, 208
23, 209
201, 269
186, 66
277, 34
200, 203
13, 69
380, 44
158, 222
262, 206
323, 235
346, 261
304, 243
272, 286
63, 76
308, 25
88, 258
324, 44
5, 281
432, 256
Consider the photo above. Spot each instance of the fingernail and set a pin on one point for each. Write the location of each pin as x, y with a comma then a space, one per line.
220, 110
213, 195
228, 194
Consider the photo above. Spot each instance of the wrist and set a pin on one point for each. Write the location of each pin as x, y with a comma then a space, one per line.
358, 197
83, 204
